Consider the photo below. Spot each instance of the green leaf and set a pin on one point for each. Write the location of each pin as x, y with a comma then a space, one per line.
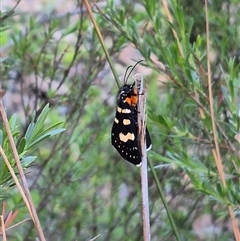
37, 132
41, 119
27, 161
29, 131
1, 137
13, 121
22, 145
161, 120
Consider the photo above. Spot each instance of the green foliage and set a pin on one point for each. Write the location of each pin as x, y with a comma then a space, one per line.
37, 131
185, 137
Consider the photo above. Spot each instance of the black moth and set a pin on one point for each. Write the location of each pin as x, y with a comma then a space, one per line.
125, 126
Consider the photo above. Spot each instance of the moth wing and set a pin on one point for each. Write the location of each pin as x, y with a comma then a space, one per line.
124, 137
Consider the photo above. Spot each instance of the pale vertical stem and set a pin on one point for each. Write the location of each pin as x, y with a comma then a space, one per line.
90, 13
216, 151
2, 227
144, 173
145, 201
170, 19
21, 172
18, 185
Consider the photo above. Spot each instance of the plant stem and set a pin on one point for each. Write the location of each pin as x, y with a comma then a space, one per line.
101, 41
159, 188
32, 210
144, 172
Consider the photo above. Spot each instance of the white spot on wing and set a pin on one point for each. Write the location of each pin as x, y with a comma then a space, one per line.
126, 111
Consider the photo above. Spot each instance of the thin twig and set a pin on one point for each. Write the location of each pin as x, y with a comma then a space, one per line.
15, 179
31, 207
8, 14
95, 237
216, 152
164, 201
17, 224
2, 226
170, 19
144, 172
101, 40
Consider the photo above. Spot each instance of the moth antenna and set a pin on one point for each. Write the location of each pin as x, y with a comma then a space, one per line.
134, 66
124, 79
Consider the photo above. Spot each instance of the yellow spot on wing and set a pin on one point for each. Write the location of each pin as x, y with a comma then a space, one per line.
126, 122
116, 120
128, 136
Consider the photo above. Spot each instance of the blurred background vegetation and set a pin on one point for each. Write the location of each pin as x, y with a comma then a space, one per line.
80, 185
